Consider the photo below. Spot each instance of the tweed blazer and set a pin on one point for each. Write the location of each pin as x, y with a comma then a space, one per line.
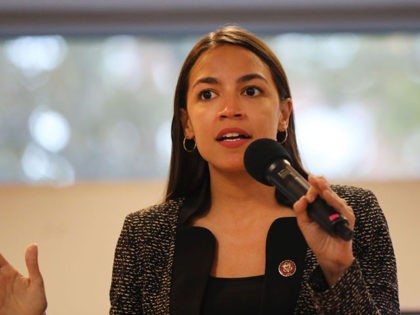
144, 261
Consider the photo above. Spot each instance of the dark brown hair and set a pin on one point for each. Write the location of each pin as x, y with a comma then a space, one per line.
189, 175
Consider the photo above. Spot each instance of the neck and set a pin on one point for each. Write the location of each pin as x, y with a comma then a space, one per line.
237, 194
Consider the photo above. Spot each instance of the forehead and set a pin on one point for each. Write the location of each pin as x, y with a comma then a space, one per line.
228, 60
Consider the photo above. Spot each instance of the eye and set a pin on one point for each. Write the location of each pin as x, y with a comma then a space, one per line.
207, 95
252, 91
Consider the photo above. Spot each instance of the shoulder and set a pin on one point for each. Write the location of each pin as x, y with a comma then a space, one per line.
352, 193
371, 223
157, 212
154, 218
366, 208
363, 201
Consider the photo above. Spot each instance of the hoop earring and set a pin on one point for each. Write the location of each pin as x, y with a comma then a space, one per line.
184, 145
282, 136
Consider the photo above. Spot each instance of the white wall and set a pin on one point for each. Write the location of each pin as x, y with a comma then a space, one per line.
77, 228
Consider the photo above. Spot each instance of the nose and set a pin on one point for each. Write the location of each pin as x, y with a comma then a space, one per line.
231, 109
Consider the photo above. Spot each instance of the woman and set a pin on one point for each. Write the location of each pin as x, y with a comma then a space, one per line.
222, 243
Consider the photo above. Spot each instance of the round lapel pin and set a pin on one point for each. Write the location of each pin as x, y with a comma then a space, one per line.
287, 268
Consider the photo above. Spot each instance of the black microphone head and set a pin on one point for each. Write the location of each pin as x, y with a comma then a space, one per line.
260, 154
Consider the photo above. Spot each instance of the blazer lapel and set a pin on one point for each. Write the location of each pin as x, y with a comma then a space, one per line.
194, 254
286, 249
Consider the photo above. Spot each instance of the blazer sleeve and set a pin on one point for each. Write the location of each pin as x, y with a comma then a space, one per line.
370, 285
125, 296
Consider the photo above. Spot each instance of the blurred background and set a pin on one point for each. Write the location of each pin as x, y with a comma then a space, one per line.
86, 95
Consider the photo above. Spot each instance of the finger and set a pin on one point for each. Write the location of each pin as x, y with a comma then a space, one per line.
31, 259
336, 201
340, 205
300, 207
326, 193
3, 261
319, 182
313, 190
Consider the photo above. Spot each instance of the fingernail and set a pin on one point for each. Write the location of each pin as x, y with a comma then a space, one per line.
310, 198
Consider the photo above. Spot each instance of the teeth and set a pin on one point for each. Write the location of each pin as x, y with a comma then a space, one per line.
230, 139
231, 135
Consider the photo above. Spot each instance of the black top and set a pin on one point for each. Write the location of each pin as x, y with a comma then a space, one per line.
230, 296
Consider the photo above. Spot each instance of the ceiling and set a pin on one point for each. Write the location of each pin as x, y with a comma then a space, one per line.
187, 16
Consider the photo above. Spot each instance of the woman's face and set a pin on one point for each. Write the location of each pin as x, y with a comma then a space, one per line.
231, 101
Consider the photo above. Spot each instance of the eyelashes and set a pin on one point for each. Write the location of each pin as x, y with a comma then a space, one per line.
206, 95
251, 91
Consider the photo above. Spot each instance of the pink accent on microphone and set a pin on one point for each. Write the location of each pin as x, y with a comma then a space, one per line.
333, 216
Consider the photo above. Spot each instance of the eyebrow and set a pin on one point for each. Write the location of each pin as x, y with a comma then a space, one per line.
250, 77
244, 78
208, 80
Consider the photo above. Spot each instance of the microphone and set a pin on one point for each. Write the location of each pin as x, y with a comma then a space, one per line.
269, 163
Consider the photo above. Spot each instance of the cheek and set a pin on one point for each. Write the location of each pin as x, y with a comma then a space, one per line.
200, 123
268, 118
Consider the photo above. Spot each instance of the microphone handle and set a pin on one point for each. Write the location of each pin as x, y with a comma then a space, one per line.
329, 219
289, 182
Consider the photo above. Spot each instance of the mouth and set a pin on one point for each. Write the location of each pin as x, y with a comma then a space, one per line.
232, 135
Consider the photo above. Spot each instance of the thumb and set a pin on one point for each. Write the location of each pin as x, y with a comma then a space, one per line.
31, 259
3, 261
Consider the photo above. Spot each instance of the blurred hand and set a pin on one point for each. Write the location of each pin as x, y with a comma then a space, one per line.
334, 254
20, 295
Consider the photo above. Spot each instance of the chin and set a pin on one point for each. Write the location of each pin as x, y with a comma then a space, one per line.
233, 168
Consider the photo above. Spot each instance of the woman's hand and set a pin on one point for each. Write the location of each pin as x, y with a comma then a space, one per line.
334, 254
18, 294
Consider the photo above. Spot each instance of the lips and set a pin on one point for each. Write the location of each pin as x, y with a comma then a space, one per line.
232, 134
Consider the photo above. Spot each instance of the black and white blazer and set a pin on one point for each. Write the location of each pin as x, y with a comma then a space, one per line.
161, 265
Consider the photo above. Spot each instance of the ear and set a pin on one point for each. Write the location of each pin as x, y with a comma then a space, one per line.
286, 107
186, 124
